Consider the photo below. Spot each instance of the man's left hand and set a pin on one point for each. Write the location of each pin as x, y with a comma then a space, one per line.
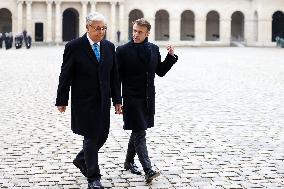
170, 49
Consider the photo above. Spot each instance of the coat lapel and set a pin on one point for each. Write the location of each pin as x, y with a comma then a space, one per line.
88, 49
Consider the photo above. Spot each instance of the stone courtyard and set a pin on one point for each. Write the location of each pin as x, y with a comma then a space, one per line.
219, 123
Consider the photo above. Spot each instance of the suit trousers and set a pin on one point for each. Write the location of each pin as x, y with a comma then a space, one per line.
137, 145
88, 156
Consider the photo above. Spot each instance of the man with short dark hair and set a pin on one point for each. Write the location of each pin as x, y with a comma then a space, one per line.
138, 61
89, 67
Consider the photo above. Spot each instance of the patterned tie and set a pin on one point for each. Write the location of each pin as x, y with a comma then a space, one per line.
96, 49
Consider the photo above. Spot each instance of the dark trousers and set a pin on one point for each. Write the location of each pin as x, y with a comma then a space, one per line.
137, 145
89, 156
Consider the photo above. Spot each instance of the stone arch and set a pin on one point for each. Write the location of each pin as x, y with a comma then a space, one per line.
162, 25
70, 24
5, 20
213, 26
237, 26
187, 26
277, 25
133, 15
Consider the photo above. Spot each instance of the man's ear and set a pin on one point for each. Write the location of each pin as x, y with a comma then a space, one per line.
147, 34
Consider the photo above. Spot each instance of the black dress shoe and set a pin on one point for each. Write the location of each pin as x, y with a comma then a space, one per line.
132, 167
95, 184
80, 165
150, 175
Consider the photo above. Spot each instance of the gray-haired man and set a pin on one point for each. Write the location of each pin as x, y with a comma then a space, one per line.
90, 69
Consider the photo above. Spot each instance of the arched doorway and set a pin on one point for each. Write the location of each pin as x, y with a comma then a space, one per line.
237, 26
187, 26
70, 24
5, 20
277, 25
133, 15
212, 26
162, 28
255, 26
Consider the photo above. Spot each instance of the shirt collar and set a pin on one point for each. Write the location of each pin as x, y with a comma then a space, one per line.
91, 41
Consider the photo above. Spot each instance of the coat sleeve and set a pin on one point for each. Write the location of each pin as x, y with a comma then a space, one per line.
166, 65
65, 77
115, 84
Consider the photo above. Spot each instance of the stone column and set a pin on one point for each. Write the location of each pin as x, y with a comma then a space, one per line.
93, 6
122, 29
49, 21
20, 16
83, 18
225, 31
248, 35
200, 29
29, 16
58, 22
264, 31
174, 29
112, 21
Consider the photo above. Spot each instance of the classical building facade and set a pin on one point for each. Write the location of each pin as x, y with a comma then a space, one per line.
182, 22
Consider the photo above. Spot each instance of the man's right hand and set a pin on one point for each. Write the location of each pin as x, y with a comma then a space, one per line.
61, 108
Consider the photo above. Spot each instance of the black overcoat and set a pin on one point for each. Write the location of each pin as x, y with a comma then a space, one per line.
137, 65
92, 84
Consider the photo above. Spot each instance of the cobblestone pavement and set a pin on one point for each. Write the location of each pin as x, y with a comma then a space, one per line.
219, 123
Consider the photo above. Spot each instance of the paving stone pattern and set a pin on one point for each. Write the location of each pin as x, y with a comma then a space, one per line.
219, 123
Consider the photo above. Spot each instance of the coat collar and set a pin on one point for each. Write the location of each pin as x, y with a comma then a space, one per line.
90, 51
142, 43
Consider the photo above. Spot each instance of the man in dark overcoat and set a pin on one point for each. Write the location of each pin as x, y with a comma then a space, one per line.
8, 40
28, 41
1, 40
19, 40
89, 67
138, 62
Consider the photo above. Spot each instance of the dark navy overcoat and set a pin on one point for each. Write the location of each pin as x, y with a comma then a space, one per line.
92, 85
138, 64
